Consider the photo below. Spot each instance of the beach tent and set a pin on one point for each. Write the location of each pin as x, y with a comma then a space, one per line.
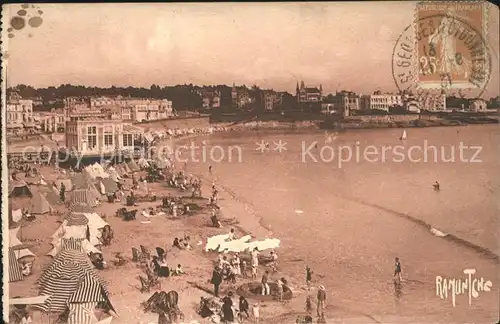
143, 163
96, 223
17, 246
133, 166
96, 171
70, 278
80, 226
126, 168
19, 189
113, 174
80, 244
51, 196
84, 181
39, 204
108, 186
84, 197
15, 215
36, 180
67, 183
14, 268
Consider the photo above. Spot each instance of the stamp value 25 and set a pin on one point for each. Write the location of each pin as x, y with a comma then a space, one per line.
450, 49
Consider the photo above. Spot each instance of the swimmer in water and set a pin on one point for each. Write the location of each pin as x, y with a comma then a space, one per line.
397, 270
436, 186
210, 169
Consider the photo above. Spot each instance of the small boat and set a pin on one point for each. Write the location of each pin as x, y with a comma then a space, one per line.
403, 136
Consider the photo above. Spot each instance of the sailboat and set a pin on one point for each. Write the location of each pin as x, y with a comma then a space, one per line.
403, 136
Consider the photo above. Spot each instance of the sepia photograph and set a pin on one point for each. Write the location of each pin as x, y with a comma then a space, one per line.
279, 162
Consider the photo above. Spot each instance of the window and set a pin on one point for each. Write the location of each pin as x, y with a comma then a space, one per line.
108, 139
92, 136
127, 140
92, 140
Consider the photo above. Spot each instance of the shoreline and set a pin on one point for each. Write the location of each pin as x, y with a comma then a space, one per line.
251, 222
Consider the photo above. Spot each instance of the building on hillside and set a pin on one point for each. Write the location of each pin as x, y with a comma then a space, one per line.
477, 105
308, 95
135, 109
211, 99
271, 99
53, 121
309, 98
345, 102
76, 103
94, 135
381, 101
434, 103
19, 113
240, 97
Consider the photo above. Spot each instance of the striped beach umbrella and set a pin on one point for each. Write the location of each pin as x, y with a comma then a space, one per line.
85, 197
14, 268
60, 285
76, 219
60, 261
89, 290
72, 244
75, 207
63, 281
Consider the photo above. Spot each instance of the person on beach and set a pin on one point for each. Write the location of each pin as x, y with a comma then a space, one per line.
210, 169
243, 308
227, 308
321, 299
274, 261
309, 305
397, 270
62, 192
178, 271
215, 221
255, 262
216, 280
231, 235
279, 284
256, 312
436, 186
244, 269
265, 285
237, 264
308, 278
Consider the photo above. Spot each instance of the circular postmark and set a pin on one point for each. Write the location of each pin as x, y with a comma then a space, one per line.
441, 55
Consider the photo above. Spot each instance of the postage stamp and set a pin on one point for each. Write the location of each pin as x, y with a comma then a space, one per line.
444, 50
449, 52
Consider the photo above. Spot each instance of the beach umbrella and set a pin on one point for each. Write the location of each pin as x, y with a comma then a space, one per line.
76, 219
80, 208
64, 257
14, 268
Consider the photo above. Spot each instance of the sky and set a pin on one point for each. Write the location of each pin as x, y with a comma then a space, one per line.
339, 45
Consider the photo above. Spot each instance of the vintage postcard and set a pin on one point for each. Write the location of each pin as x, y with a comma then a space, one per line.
327, 162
